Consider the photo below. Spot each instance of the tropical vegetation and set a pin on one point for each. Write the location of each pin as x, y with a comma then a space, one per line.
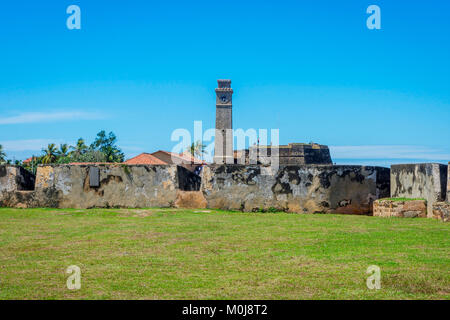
197, 149
104, 148
2, 155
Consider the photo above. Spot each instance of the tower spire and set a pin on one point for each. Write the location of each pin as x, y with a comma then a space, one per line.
223, 144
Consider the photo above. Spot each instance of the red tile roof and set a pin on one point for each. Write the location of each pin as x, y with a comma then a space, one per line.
164, 157
184, 157
144, 158
90, 163
29, 160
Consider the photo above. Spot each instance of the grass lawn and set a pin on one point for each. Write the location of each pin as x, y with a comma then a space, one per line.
211, 254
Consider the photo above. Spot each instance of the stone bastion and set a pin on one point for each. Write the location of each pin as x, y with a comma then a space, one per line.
293, 188
420, 180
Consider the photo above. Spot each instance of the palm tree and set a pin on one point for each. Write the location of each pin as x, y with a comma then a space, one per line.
197, 149
50, 154
63, 150
80, 147
2, 154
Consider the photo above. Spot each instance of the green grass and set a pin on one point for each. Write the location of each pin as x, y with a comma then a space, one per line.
210, 254
403, 199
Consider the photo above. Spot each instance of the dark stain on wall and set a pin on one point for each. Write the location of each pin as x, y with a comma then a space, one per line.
111, 178
2, 171
282, 187
325, 204
384, 182
324, 178
47, 198
292, 173
354, 172
24, 180
239, 173
443, 172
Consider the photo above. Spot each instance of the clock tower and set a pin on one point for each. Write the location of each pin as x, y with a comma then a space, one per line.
223, 144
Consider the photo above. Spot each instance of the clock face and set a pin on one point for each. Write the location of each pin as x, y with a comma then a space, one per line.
224, 99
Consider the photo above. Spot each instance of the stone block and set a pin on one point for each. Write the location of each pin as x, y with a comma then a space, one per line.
403, 209
441, 210
190, 199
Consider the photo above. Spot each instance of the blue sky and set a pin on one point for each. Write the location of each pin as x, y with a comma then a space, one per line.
310, 68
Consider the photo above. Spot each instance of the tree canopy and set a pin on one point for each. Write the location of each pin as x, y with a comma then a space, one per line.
103, 149
107, 145
197, 149
2, 155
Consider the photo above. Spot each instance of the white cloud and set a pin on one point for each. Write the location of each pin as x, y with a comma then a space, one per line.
35, 117
388, 152
27, 145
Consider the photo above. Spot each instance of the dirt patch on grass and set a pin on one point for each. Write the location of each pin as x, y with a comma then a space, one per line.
435, 284
147, 236
142, 213
63, 213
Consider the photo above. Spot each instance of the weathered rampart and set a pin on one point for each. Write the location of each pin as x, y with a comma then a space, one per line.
295, 188
421, 180
14, 178
104, 185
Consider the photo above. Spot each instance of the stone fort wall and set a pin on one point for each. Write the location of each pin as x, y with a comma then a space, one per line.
421, 180
109, 185
14, 178
306, 188
295, 188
